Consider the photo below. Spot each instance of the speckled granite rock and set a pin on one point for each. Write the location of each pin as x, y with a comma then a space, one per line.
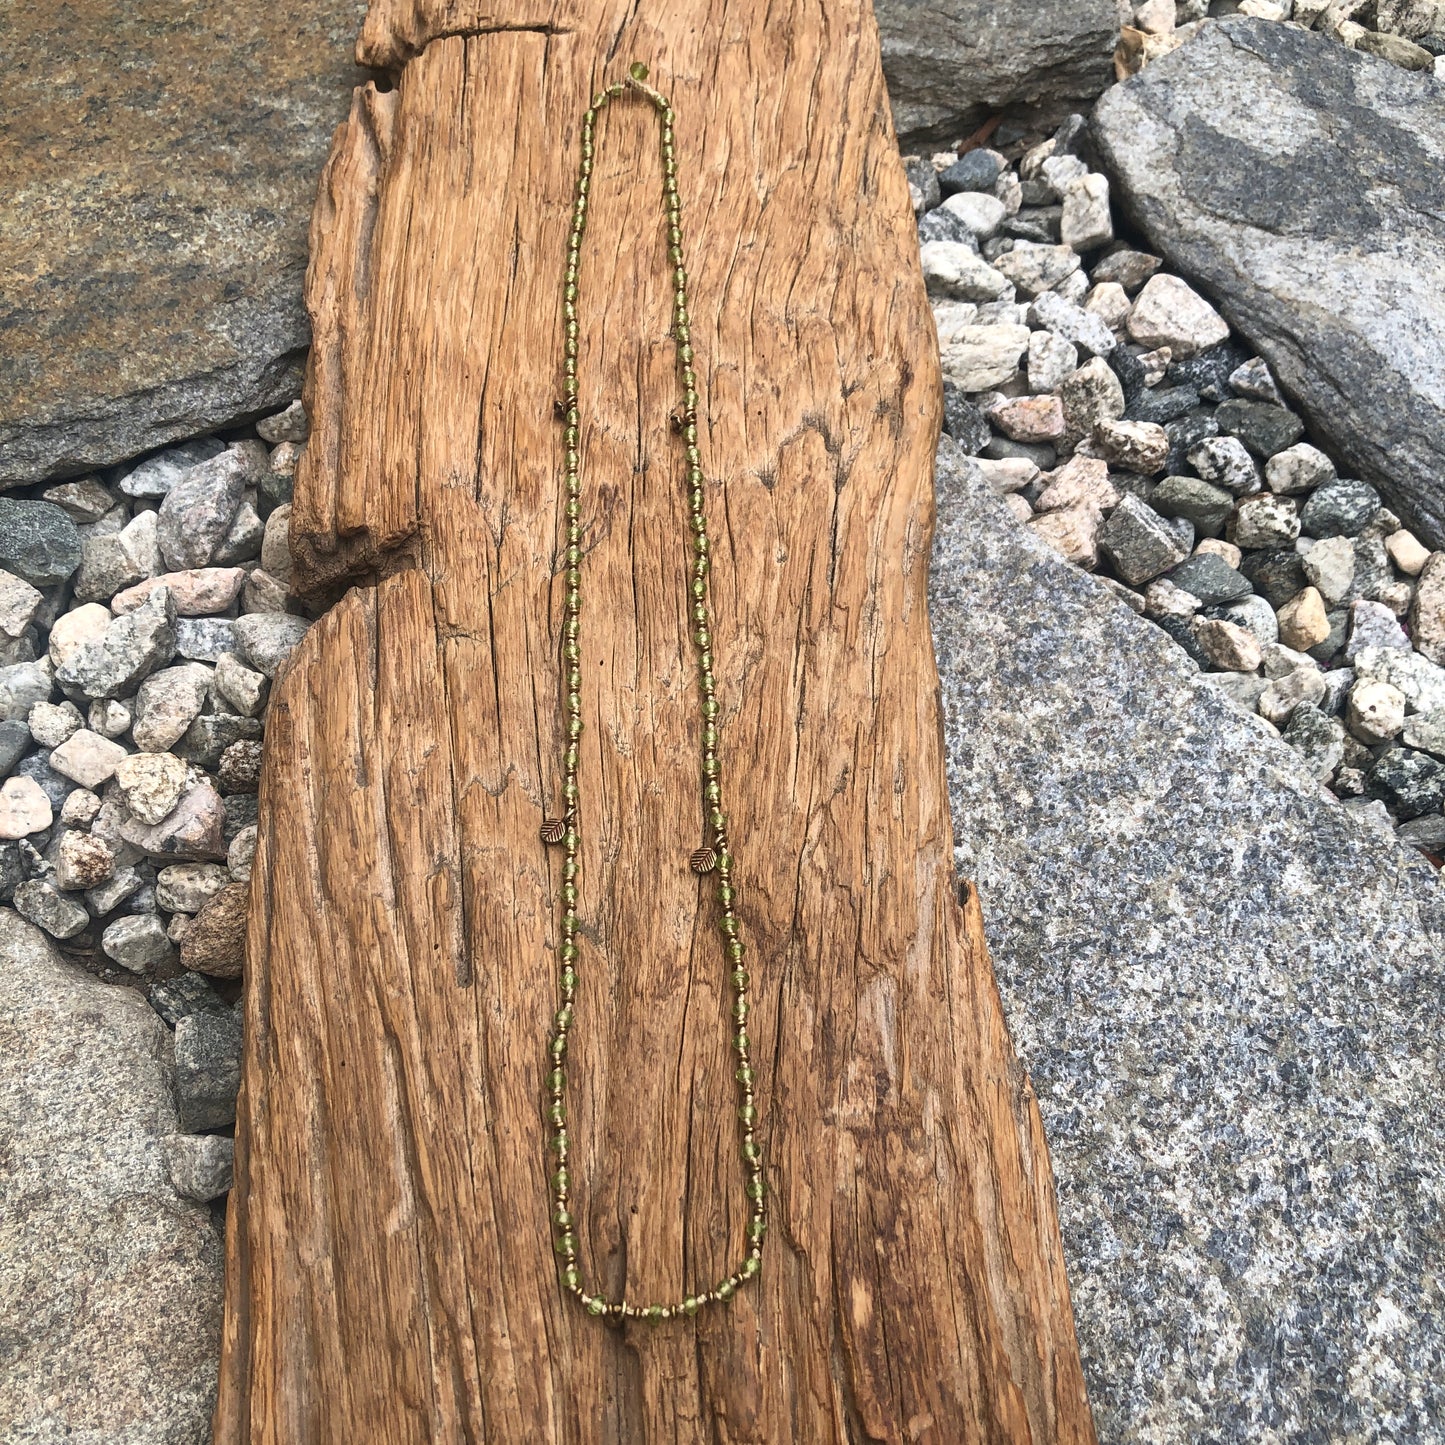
1230, 993
110, 1282
949, 63
163, 163
1298, 183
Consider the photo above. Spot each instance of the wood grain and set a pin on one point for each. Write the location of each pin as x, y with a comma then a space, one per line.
390, 1276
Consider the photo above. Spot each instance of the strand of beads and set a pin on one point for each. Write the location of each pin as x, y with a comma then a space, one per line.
564, 830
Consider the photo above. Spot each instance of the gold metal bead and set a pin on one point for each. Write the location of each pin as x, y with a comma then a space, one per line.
554, 830
703, 859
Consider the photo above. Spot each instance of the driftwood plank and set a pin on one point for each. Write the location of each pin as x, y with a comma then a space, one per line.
390, 1275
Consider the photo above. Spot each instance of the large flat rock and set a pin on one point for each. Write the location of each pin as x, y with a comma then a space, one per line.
1299, 183
1230, 993
160, 163
110, 1283
949, 64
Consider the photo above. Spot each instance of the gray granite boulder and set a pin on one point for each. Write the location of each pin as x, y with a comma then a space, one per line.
1298, 184
1230, 993
110, 1281
163, 175
949, 64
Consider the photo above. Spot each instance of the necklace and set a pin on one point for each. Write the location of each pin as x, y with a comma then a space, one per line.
710, 857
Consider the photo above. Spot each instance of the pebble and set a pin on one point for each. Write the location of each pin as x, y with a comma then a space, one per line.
976, 358
267, 639
975, 170
1226, 462
979, 213
114, 663
1319, 740
195, 828
1086, 223
1070, 322
1257, 617
1139, 542
84, 500
242, 853
74, 629
117, 560
239, 766
1426, 731
87, 758
1080, 481
1330, 567
1227, 645
204, 639
155, 476
1302, 620
196, 593
1427, 613
286, 426
1406, 552
197, 512
1036, 267
151, 784
1028, 418
208, 738
1200, 502
52, 723
38, 542
19, 602
138, 943
1004, 475
208, 1069
124, 883
24, 808
216, 944
79, 808
1129, 269
1169, 312
1300, 468
188, 887
1110, 303
40, 903
174, 998
1265, 429
1072, 531
1141, 446
109, 718
1090, 395
200, 1166
1282, 695
1410, 783
1375, 711
1211, 579
244, 539
1253, 380
1243, 689
1265, 520
1372, 624
82, 861
167, 703
1340, 509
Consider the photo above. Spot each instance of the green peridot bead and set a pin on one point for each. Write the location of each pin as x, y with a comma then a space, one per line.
691, 1304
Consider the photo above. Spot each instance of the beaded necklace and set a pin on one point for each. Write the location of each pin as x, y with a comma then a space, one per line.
710, 857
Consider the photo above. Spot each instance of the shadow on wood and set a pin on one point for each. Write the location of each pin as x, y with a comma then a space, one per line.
390, 1276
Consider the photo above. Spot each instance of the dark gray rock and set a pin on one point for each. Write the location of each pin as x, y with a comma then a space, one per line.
1265, 429
942, 225
1297, 182
1185, 434
949, 65
15, 742
975, 170
964, 421
1339, 509
1202, 503
111, 1284
208, 1069
1276, 576
1411, 784
1229, 995
1139, 542
154, 269
1208, 372
38, 541
1211, 579
1161, 405
187, 993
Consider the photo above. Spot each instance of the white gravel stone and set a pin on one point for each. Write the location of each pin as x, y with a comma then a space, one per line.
118, 560
1330, 566
167, 704
1110, 303
1257, 617
74, 629
19, 602
245, 690
981, 213
1164, 599
1227, 645
24, 808
276, 548
1086, 223
1422, 682
1169, 312
109, 717
51, 723
1300, 468
22, 685
976, 358
1070, 321
1375, 711
1283, 694
151, 784
242, 542
82, 861
138, 942
193, 829
1254, 380
1280, 661
1226, 462
188, 887
87, 758
155, 476
42, 904
1005, 476
1302, 620
955, 270
79, 808
1035, 267
242, 853
286, 426
265, 593
1051, 360
198, 510
1407, 552
113, 664
1264, 521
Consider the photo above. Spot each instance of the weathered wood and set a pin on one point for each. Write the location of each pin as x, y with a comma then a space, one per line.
390, 1271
